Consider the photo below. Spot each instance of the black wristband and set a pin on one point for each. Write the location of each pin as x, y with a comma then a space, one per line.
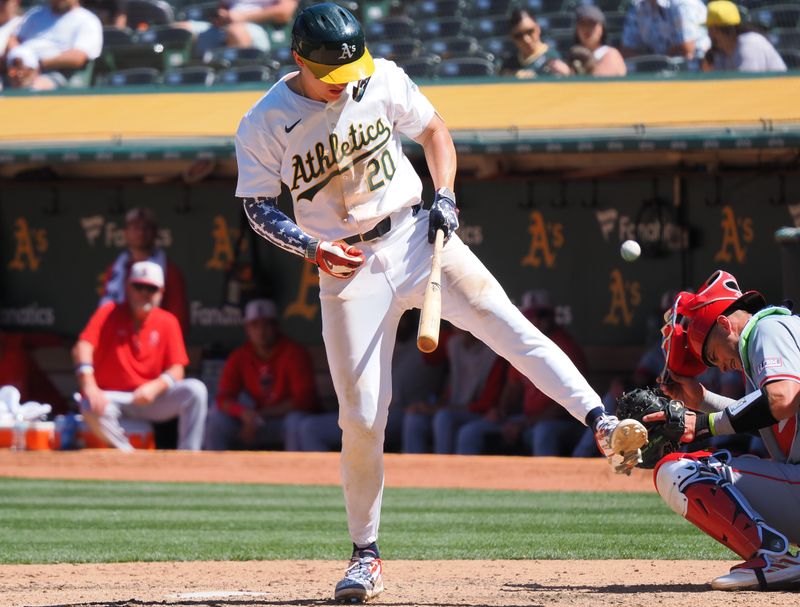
702, 428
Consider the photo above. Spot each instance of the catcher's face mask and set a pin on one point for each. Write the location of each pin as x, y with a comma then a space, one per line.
674, 342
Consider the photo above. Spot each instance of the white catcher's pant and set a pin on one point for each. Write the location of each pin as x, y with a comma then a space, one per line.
359, 320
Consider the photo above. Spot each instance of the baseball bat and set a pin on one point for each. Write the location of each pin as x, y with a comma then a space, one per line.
431, 315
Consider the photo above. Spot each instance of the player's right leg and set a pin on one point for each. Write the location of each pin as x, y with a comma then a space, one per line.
473, 300
700, 487
359, 323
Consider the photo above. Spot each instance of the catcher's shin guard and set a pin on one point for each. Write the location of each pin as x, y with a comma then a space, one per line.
693, 486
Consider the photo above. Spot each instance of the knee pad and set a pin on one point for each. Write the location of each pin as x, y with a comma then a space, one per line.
697, 489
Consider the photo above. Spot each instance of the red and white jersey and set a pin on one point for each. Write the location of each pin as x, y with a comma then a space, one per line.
343, 162
773, 353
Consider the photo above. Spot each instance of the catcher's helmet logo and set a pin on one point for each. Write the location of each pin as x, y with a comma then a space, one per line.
347, 51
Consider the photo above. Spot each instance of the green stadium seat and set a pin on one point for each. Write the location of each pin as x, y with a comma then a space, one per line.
653, 64
227, 57
450, 48
785, 38
391, 28
491, 27
191, 76
490, 8
778, 16
147, 13
247, 74
542, 6
423, 67
791, 57
445, 27
173, 43
396, 50
133, 77
556, 21
204, 11
465, 67
435, 9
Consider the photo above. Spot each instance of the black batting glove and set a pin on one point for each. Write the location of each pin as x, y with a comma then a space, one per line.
443, 214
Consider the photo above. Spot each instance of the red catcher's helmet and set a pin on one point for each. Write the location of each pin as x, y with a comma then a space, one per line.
693, 315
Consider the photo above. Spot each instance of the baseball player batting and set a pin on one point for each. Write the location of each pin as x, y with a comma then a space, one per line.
747, 503
332, 133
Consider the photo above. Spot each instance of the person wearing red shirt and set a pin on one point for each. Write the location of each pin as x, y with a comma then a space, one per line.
141, 230
266, 389
130, 361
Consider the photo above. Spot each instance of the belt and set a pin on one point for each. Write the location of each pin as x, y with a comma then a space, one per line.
383, 227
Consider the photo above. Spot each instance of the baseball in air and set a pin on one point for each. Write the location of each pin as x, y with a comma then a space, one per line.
630, 250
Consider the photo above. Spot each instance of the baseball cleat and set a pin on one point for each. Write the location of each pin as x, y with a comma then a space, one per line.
362, 581
763, 572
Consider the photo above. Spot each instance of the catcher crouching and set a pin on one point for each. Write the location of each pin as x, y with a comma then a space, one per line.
747, 503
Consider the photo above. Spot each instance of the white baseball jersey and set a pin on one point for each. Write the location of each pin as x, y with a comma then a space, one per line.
343, 162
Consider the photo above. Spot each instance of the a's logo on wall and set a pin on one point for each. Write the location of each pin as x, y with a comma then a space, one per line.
303, 305
222, 256
546, 239
625, 298
30, 245
736, 232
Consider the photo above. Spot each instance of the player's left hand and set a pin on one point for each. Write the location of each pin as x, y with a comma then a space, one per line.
443, 214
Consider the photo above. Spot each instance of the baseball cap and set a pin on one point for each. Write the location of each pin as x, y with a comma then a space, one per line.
260, 308
535, 300
330, 41
141, 214
147, 273
590, 12
722, 13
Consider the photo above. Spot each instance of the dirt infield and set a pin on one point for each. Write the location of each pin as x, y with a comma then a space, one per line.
425, 583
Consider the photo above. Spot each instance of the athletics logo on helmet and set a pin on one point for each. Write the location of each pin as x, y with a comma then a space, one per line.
330, 41
693, 315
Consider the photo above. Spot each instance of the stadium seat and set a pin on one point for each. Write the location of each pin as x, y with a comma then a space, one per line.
247, 74
396, 50
615, 21
785, 38
391, 28
174, 43
556, 21
783, 16
562, 40
446, 27
791, 57
424, 67
491, 27
490, 8
282, 54
82, 78
449, 48
146, 13
198, 12
195, 76
117, 36
226, 57
607, 6
542, 6
652, 64
501, 46
433, 9
465, 67
133, 77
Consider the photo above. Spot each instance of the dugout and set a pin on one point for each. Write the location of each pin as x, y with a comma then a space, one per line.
553, 177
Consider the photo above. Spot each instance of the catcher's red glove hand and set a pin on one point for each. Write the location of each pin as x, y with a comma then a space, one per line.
338, 259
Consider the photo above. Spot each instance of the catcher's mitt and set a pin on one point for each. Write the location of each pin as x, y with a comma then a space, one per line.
663, 437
